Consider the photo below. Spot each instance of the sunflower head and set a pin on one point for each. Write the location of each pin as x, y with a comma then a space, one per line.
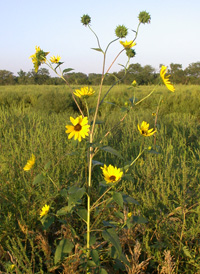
130, 53
121, 31
55, 60
111, 174
38, 58
84, 92
127, 45
165, 79
44, 211
144, 129
144, 17
30, 163
79, 128
85, 19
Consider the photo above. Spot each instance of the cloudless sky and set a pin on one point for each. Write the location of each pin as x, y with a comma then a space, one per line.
173, 36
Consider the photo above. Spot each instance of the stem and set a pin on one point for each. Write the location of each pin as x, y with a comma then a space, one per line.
96, 203
95, 36
146, 96
88, 196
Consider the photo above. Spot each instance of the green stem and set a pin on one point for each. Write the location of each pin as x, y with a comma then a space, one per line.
145, 96
96, 203
135, 159
95, 36
89, 196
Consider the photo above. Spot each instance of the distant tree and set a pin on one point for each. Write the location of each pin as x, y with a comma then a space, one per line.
41, 77
193, 73
78, 78
6, 77
94, 79
22, 77
177, 74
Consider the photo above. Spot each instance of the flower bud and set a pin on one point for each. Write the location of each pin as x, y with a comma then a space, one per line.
121, 31
144, 17
85, 19
130, 53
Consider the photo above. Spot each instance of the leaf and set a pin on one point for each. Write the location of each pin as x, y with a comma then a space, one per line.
96, 163
38, 179
47, 221
82, 212
95, 256
111, 236
64, 193
102, 271
112, 151
67, 70
47, 166
64, 247
129, 200
187, 252
59, 63
110, 223
139, 219
63, 211
117, 197
119, 214
98, 49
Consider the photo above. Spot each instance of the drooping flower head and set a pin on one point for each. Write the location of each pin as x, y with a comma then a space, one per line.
84, 92
127, 45
54, 59
79, 128
38, 58
44, 211
30, 163
111, 174
166, 79
144, 129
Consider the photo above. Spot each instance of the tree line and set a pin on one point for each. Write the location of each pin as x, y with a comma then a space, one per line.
144, 75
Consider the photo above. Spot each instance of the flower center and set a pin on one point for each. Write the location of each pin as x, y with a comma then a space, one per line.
77, 127
144, 132
112, 178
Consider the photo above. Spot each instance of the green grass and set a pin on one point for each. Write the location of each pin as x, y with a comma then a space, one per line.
166, 185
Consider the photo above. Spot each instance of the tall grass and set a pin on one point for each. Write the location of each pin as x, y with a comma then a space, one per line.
166, 184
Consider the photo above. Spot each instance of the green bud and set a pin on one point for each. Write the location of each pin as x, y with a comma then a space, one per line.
130, 53
144, 17
121, 31
85, 19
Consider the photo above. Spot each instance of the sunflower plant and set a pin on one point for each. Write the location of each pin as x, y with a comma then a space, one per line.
100, 209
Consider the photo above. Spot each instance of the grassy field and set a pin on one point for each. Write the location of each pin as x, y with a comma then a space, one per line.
165, 183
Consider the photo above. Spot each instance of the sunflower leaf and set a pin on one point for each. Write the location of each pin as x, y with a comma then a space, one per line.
67, 70
112, 151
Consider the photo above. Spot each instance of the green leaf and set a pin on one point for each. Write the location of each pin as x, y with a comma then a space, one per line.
98, 49
117, 197
96, 163
64, 193
95, 256
139, 219
38, 179
47, 221
76, 193
102, 271
47, 166
119, 214
110, 223
82, 212
129, 200
112, 151
64, 247
59, 63
187, 252
111, 236
67, 70
63, 211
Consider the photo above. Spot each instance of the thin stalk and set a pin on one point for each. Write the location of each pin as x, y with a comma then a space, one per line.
89, 197
95, 36
145, 96
95, 204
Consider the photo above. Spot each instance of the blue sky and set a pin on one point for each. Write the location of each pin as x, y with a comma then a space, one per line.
171, 37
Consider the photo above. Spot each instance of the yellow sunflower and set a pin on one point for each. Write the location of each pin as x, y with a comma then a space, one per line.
44, 210
84, 92
127, 45
111, 174
54, 59
38, 58
144, 129
79, 128
166, 79
30, 163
